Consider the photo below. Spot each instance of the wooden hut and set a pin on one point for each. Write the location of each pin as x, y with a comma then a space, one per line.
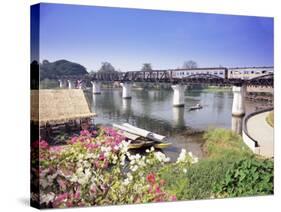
59, 108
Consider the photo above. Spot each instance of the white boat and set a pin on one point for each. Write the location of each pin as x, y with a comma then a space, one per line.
130, 130
150, 135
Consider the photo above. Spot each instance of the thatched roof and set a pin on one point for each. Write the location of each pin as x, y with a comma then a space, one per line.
58, 106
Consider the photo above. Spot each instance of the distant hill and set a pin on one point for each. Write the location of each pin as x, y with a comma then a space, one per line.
52, 70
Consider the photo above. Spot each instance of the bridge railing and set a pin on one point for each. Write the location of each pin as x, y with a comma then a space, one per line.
168, 77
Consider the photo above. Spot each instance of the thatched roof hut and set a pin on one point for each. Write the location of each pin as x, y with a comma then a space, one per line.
58, 106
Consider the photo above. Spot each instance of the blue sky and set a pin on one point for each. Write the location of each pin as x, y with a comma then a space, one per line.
127, 38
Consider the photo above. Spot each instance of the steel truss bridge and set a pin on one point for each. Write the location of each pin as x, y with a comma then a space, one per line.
167, 77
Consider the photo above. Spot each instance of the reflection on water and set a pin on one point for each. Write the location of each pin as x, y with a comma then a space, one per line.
236, 124
178, 116
153, 110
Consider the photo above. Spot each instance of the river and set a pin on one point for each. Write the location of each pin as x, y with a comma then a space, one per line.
153, 110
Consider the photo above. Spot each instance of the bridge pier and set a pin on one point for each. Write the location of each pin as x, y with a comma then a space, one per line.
61, 83
80, 84
96, 87
126, 92
70, 84
178, 98
238, 105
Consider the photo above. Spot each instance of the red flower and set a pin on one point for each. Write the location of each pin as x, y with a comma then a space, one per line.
151, 178
101, 157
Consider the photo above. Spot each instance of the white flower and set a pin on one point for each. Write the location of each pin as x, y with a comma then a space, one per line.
123, 158
138, 156
182, 156
185, 170
134, 168
46, 198
44, 183
194, 160
161, 157
130, 176
74, 178
82, 180
126, 181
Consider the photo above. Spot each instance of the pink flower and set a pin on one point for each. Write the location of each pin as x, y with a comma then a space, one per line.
91, 146
69, 204
55, 148
93, 189
61, 184
77, 195
105, 165
158, 190
59, 199
101, 157
85, 133
110, 131
74, 139
97, 164
43, 144
94, 132
173, 198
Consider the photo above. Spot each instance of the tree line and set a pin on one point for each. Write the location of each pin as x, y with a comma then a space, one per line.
52, 70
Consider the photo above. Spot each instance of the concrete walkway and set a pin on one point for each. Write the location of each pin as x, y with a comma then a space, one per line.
262, 132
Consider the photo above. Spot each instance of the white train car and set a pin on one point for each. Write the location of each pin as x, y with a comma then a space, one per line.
182, 73
249, 72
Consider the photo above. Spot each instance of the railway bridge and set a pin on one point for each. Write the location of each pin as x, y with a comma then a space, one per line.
178, 84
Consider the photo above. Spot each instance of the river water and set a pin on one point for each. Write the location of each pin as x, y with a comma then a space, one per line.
153, 110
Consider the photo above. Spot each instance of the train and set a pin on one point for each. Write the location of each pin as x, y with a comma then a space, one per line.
222, 72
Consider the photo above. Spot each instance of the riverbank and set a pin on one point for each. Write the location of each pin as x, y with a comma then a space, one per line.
96, 168
225, 155
270, 119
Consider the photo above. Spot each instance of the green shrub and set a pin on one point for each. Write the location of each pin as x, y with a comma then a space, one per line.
247, 177
198, 181
225, 143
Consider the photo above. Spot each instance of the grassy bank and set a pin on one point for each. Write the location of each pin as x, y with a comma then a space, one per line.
216, 89
270, 118
229, 168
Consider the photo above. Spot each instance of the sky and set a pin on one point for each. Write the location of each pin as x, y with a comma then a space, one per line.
127, 38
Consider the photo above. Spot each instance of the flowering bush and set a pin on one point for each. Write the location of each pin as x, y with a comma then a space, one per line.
96, 168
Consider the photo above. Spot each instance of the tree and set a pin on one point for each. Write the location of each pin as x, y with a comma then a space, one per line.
146, 67
92, 72
190, 64
106, 67
52, 70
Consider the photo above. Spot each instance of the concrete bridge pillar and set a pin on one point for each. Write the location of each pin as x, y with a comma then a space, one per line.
79, 84
178, 98
70, 84
238, 105
96, 87
126, 92
61, 83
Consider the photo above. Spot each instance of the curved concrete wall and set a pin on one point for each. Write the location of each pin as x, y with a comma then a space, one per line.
248, 140
251, 143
